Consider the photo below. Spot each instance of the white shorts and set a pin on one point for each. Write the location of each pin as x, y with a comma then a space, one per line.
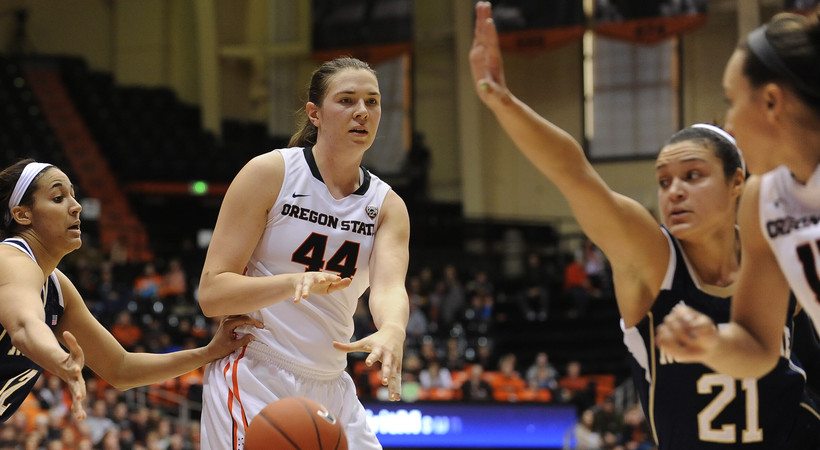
238, 386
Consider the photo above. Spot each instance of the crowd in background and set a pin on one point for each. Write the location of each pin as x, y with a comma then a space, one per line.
450, 354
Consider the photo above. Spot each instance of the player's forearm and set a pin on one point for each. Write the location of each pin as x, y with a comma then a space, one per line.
739, 354
140, 369
34, 339
231, 294
390, 307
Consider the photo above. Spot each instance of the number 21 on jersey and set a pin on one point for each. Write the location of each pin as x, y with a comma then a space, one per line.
727, 392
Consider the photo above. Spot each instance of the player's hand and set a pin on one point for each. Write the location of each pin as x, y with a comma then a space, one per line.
71, 372
317, 282
387, 346
486, 64
687, 335
225, 340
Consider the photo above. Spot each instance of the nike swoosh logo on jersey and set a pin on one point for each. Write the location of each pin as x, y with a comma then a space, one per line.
295, 195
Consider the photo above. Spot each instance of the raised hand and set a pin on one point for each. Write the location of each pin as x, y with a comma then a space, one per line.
318, 282
387, 346
225, 341
485, 57
71, 372
687, 335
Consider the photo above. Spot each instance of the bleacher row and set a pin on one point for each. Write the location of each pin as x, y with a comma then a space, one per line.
504, 388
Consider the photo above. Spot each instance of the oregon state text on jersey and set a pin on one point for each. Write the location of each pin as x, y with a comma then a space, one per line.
689, 406
310, 230
327, 220
790, 218
18, 373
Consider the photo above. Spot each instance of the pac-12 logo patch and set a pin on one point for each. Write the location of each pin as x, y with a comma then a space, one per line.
372, 211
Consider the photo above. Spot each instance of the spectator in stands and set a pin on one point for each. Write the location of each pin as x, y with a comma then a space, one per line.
55, 426
534, 297
427, 281
125, 332
479, 314
416, 296
636, 433
576, 388
98, 422
454, 356
476, 389
480, 284
541, 373
8, 438
416, 324
174, 281
110, 294
140, 424
111, 440
435, 377
86, 278
607, 418
68, 439
484, 352
507, 382
429, 350
533, 392
412, 363
41, 310
577, 287
51, 396
595, 266
454, 300
118, 254
20, 423
120, 415
148, 285
164, 433
437, 299
585, 437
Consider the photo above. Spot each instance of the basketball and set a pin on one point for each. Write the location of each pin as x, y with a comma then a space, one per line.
295, 423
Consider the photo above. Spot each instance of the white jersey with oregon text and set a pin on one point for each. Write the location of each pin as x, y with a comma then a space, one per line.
790, 217
309, 230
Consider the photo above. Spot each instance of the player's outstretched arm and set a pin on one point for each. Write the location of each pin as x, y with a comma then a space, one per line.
625, 231
749, 345
125, 370
389, 303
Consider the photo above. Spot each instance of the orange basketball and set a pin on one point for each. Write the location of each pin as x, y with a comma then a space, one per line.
295, 423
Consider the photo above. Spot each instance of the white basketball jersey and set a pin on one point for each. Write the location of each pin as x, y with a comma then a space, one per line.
309, 230
790, 217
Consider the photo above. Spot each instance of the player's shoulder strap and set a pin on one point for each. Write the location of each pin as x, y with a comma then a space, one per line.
20, 244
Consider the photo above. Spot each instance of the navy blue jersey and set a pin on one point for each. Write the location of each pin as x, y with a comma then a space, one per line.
689, 406
18, 373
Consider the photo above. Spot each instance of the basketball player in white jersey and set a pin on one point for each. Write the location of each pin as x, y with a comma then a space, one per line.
772, 84
301, 234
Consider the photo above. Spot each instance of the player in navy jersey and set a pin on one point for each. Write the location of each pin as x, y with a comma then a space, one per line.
691, 257
772, 85
40, 308
302, 233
